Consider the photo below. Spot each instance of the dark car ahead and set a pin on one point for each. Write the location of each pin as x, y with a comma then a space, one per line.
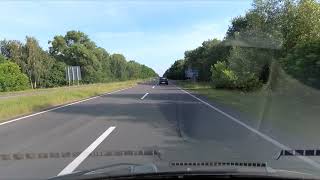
163, 80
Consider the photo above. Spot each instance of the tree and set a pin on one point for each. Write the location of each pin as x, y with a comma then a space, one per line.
58, 48
223, 76
303, 63
271, 31
134, 70
176, 71
238, 24
300, 23
301, 41
32, 60
55, 74
15, 51
34, 63
76, 49
47, 69
104, 57
248, 65
203, 57
147, 72
118, 66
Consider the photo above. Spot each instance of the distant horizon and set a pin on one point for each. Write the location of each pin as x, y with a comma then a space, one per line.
151, 33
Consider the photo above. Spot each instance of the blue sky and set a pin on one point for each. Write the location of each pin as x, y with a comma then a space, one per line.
154, 33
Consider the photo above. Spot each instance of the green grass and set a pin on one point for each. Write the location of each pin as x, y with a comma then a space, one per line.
291, 107
243, 101
31, 100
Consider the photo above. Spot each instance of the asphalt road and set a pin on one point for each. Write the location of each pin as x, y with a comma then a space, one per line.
130, 126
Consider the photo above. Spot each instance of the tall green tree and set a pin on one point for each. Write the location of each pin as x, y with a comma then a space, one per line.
300, 23
34, 61
54, 74
15, 51
303, 63
47, 69
118, 66
176, 71
76, 49
203, 57
104, 58
134, 70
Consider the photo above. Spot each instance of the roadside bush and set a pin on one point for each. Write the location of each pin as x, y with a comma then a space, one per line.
247, 64
241, 71
222, 76
248, 82
11, 77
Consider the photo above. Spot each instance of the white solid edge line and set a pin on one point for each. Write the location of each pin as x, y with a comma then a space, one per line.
144, 96
267, 138
62, 106
78, 160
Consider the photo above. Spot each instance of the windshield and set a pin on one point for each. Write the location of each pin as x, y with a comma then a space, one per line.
182, 85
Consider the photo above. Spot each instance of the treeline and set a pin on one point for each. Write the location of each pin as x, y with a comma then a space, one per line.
27, 65
272, 34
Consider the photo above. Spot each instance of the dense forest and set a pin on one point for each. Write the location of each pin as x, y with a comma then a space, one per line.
27, 65
272, 35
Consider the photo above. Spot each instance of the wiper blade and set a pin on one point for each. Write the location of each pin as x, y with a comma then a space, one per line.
80, 173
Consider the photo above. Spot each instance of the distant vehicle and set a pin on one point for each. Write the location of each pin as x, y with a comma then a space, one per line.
163, 80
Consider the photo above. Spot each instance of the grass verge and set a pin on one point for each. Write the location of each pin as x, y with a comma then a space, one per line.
33, 101
245, 102
291, 108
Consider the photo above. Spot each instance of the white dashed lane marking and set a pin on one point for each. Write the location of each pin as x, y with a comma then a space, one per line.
78, 160
144, 96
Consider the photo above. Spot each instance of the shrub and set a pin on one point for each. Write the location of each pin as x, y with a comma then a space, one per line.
11, 77
222, 76
248, 82
248, 64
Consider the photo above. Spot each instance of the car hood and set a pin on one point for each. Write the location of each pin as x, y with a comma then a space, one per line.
151, 169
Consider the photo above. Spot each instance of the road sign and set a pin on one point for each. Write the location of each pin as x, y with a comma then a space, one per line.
73, 74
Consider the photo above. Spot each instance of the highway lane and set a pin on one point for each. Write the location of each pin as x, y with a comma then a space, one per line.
146, 117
